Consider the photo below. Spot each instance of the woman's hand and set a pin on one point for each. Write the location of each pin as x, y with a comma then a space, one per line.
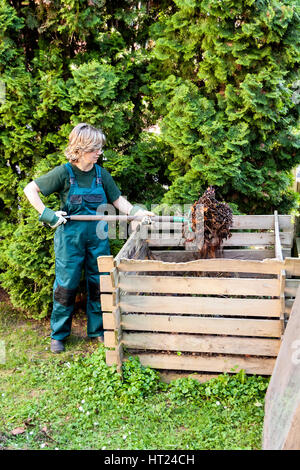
52, 218
124, 206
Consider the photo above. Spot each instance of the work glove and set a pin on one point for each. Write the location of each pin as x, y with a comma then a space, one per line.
52, 218
136, 210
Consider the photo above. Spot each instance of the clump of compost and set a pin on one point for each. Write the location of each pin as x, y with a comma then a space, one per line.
215, 222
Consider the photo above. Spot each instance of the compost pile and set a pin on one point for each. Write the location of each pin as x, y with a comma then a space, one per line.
215, 223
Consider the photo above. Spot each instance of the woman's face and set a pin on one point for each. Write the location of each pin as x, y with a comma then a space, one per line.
91, 156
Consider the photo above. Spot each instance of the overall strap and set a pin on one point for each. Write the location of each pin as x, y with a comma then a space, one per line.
98, 175
71, 174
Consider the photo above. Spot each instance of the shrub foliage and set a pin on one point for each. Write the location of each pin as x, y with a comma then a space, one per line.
222, 79
217, 77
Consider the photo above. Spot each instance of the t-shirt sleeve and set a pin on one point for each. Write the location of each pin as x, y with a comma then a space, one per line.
53, 181
111, 189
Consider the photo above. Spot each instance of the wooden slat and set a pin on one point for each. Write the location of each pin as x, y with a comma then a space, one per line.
240, 222
183, 256
261, 222
199, 305
213, 364
105, 283
105, 263
106, 302
108, 321
197, 343
199, 285
237, 239
221, 364
267, 266
202, 325
292, 266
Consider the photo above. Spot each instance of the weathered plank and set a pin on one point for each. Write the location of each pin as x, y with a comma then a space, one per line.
278, 249
290, 287
192, 324
105, 283
199, 285
106, 302
282, 404
105, 263
292, 266
108, 321
240, 222
197, 343
237, 239
199, 305
222, 364
183, 256
261, 222
266, 266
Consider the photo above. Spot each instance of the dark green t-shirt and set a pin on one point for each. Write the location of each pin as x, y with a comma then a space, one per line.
58, 181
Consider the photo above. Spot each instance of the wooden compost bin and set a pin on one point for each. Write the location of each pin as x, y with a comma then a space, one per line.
184, 315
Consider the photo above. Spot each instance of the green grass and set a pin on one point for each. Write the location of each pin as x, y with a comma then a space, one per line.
74, 401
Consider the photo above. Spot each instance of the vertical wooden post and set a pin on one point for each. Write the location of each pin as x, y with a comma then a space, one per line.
117, 318
278, 249
282, 279
282, 275
110, 302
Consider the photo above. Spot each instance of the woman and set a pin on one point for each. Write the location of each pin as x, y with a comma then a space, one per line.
83, 186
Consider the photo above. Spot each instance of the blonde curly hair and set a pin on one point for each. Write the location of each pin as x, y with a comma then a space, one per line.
83, 138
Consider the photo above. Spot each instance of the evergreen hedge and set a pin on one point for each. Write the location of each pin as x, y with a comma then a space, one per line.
63, 63
222, 75
216, 76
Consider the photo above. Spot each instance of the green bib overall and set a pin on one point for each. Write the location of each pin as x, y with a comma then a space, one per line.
77, 245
